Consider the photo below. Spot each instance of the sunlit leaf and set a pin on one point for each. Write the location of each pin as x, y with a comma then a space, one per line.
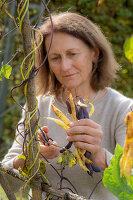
128, 49
112, 180
22, 171
60, 160
100, 2
22, 157
0, 76
72, 162
6, 70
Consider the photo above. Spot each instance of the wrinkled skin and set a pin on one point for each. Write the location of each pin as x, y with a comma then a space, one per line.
48, 151
86, 134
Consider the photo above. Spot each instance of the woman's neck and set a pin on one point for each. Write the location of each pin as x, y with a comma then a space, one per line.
90, 94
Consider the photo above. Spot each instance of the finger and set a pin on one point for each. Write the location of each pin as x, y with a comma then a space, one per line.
54, 143
46, 131
40, 137
43, 130
86, 146
77, 130
85, 122
84, 138
49, 152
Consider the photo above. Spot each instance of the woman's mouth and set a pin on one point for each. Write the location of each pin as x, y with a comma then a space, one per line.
69, 75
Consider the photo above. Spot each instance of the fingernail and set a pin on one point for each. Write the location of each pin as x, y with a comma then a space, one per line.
71, 124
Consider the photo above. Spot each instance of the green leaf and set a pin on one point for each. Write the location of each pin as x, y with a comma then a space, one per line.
42, 167
6, 70
22, 157
112, 180
116, 172
67, 159
128, 49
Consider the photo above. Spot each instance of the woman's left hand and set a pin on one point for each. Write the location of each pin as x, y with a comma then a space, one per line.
86, 134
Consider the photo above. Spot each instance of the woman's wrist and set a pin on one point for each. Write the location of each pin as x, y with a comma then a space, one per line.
99, 159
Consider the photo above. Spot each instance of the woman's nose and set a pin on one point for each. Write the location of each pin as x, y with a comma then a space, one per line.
65, 64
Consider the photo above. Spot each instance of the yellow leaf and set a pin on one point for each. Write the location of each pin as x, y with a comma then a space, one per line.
22, 157
72, 162
60, 160
128, 49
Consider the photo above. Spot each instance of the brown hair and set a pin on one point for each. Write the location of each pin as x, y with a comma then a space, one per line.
104, 70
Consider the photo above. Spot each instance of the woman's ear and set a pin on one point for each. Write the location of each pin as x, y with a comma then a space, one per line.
95, 55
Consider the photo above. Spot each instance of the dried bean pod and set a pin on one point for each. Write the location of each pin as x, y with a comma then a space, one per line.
77, 111
80, 113
85, 112
87, 154
68, 146
95, 168
68, 107
89, 167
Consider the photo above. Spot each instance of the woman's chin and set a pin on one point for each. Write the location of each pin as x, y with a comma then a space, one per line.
71, 84
71, 87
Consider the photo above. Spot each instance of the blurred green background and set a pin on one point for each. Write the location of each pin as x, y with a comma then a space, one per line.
115, 19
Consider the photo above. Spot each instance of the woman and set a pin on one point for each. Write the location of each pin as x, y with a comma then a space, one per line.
80, 57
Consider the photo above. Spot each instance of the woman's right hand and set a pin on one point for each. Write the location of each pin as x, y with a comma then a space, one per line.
48, 151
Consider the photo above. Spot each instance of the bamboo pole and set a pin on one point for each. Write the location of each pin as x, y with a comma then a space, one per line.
31, 105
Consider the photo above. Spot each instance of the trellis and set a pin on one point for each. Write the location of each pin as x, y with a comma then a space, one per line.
48, 189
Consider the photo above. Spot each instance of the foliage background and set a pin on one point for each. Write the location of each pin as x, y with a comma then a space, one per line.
115, 18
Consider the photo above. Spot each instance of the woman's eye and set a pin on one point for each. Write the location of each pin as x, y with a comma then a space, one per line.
72, 54
55, 58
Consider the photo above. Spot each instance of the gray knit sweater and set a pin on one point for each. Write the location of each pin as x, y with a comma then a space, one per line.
110, 112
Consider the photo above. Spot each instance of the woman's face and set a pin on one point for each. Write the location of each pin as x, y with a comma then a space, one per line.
71, 60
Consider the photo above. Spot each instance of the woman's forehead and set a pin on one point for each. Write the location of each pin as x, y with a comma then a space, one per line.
64, 41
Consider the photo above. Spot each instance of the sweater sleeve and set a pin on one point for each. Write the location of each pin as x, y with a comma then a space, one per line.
16, 148
120, 129
108, 157
13, 152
